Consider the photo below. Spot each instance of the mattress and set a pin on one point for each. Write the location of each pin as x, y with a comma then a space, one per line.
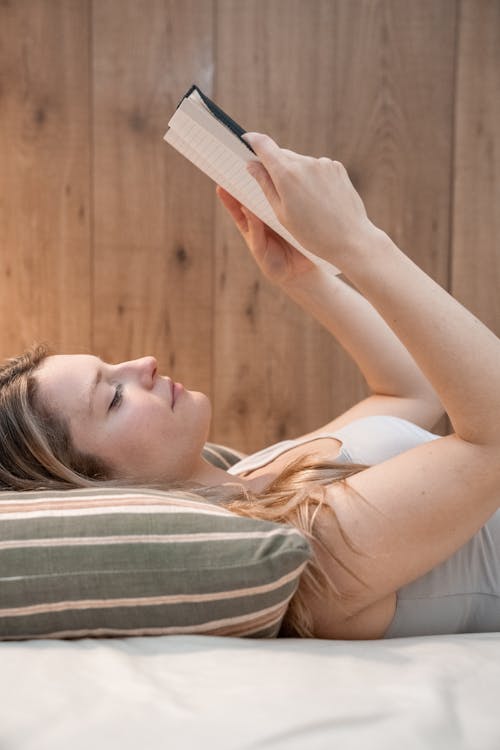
183, 692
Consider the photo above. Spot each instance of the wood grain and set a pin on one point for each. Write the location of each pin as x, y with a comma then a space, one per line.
370, 84
44, 175
393, 114
153, 210
476, 215
112, 242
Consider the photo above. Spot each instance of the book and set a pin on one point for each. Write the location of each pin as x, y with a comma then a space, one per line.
203, 133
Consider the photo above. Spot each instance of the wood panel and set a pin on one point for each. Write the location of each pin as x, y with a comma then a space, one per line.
44, 175
153, 240
369, 83
395, 121
476, 216
112, 242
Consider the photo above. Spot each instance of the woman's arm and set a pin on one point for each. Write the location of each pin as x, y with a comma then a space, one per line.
316, 201
398, 387
410, 513
384, 362
457, 353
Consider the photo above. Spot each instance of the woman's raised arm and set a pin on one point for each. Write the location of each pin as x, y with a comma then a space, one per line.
397, 385
410, 513
315, 200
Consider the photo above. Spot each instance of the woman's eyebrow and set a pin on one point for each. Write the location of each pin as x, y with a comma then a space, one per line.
91, 391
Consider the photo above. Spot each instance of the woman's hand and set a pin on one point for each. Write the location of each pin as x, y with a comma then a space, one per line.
279, 261
313, 198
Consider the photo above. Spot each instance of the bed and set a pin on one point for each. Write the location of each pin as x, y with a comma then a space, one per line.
244, 694
188, 655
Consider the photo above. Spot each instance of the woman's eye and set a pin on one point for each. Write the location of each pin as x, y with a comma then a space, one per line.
117, 398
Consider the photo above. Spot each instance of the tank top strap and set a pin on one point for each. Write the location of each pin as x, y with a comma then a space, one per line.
368, 440
266, 455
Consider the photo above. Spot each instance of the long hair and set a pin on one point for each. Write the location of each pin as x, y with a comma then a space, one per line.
37, 453
296, 498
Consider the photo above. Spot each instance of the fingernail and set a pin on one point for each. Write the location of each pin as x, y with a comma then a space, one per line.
249, 136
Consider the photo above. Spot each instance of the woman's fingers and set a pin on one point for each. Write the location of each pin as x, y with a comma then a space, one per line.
250, 226
266, 149
234, 208
271, 158
228, 199
262, 177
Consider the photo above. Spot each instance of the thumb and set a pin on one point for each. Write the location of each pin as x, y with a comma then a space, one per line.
267, 151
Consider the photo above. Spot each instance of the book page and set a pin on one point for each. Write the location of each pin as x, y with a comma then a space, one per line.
199, 136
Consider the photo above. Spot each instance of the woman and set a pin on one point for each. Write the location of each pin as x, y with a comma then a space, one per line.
404, 527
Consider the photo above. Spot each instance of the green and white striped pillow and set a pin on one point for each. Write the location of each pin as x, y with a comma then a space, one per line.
133, 562
221, 456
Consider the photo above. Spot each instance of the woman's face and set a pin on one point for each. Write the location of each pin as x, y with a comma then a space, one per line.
124, 415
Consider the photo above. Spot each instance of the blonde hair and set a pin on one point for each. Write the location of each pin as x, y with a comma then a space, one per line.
36, 448
38, 454
295, 498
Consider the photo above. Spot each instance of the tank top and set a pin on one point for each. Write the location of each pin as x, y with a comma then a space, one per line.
460, 595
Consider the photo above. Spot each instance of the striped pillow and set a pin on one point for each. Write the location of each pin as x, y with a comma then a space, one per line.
134, 562
221, 455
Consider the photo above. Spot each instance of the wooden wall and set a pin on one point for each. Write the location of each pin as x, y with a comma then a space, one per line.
111, 242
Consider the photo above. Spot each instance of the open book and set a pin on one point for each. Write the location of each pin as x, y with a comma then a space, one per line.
208, 137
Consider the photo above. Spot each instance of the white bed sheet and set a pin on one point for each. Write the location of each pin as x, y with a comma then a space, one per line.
187, 692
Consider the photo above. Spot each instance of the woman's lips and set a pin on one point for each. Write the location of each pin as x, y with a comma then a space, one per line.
177, 390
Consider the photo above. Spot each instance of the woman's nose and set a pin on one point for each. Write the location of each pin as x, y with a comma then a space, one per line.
148, 367
144, 369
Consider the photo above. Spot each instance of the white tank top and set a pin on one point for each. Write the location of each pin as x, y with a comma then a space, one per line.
462, 594
369, 440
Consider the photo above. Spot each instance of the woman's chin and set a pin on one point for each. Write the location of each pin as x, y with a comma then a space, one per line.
201, 402
208, 404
